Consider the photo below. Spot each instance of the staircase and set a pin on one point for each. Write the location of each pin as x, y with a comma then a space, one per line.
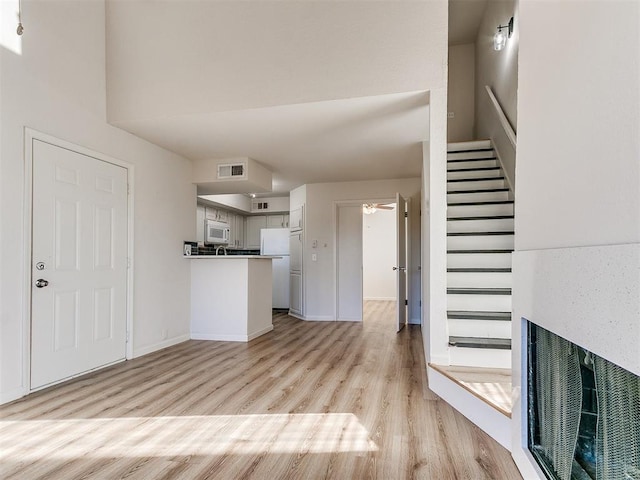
480, 233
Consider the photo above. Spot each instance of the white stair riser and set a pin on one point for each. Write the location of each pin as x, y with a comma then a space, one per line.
479, 210
480, 242
479, 260
478, 197
480, 357
479, 328
473, 164
475, 174
492, 225
479, 279
472, 145
470, 155
475, 185
479, 303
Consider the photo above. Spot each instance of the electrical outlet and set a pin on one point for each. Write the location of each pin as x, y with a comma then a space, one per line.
314, 257
451, 115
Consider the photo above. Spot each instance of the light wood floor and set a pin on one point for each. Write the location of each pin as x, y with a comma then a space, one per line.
310, 400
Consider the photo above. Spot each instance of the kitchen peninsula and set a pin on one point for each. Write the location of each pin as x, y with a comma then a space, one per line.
230, 297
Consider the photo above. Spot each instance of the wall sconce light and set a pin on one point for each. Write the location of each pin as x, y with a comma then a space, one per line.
500, 38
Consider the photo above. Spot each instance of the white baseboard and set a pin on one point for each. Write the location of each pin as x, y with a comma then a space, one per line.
487, 418
160, 345
317, 318
260, 332
12, 395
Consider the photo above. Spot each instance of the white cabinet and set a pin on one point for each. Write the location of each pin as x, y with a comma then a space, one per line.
295, 293
217, 214
200, 219
240, 231
297, 219
295, 252
277, 221
252, 230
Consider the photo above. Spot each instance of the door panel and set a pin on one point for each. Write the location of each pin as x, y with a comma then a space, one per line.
401, 261
78, 319
349, 264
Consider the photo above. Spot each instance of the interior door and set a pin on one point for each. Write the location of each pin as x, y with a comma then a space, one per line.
401, 261
79, 264
349, 263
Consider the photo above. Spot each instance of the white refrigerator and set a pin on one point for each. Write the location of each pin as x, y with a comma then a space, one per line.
275, 241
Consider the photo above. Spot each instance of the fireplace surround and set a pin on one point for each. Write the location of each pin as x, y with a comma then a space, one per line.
584, 411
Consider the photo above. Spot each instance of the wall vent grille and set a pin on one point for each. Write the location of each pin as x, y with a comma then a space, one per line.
231, 170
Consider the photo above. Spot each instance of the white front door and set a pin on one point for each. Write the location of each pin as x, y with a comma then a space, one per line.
401, 261
79, 264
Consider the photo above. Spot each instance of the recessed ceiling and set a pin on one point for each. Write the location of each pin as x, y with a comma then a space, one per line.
368, 138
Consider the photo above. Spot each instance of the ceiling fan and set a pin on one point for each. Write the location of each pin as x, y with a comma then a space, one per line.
370, 208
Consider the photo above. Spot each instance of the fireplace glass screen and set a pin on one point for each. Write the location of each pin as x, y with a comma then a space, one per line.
584, 412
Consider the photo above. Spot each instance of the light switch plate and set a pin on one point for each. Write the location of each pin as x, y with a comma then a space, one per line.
314, 257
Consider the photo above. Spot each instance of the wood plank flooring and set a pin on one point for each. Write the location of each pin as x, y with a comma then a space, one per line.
310, 400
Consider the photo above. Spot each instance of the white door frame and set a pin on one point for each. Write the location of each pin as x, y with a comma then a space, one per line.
336, 205
29, 136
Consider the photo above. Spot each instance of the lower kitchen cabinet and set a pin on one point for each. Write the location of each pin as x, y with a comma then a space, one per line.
295, 291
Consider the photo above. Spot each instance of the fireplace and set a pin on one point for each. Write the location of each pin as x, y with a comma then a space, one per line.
584, 411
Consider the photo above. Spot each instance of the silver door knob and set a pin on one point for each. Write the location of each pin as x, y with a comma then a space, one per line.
41, 282
402, 269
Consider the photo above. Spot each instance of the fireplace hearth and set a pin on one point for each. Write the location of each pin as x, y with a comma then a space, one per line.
584, 411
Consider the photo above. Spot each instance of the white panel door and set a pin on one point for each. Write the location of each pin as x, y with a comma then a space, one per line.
401, 261
79, 264
349, 265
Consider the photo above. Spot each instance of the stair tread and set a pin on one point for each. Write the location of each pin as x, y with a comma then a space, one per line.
478, 270
479, 342
478, 315
483, 149
478, 291
494, 202
488, 250
480, 179
477, 169
478, 234
481, 190
481, 217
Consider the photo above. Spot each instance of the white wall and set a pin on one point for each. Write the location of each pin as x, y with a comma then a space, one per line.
499, 70
321, 199
57, 86
267, 53
578, 176
461, 96
379, 255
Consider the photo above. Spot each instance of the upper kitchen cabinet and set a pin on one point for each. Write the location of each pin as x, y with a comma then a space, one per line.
296, 221
217, 214
236, 231
277, 221
200, 219
252, 230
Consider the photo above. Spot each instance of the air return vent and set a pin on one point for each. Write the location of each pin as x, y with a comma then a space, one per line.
231, 170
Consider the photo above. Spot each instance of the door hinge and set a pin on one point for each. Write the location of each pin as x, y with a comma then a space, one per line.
406, 302
406, 214
127, 336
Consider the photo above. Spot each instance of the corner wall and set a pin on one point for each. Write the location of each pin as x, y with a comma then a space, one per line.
56, 85
461, 93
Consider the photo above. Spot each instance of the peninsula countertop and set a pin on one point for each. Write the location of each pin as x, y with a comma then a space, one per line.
231, 257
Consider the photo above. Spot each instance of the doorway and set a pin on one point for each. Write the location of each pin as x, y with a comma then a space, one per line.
371, 259
79, 282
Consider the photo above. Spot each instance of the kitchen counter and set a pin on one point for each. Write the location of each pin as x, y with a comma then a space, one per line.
229, 257
231, 299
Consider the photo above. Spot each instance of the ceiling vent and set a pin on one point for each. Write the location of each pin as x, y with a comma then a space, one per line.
231, 170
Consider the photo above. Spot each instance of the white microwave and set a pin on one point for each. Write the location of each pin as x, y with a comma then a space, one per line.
216, 232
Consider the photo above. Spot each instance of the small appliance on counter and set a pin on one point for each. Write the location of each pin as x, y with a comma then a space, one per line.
190, 248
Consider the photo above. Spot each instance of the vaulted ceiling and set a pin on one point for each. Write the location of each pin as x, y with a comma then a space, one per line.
315, 91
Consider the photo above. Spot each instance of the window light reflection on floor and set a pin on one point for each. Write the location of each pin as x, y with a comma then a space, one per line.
188, 435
